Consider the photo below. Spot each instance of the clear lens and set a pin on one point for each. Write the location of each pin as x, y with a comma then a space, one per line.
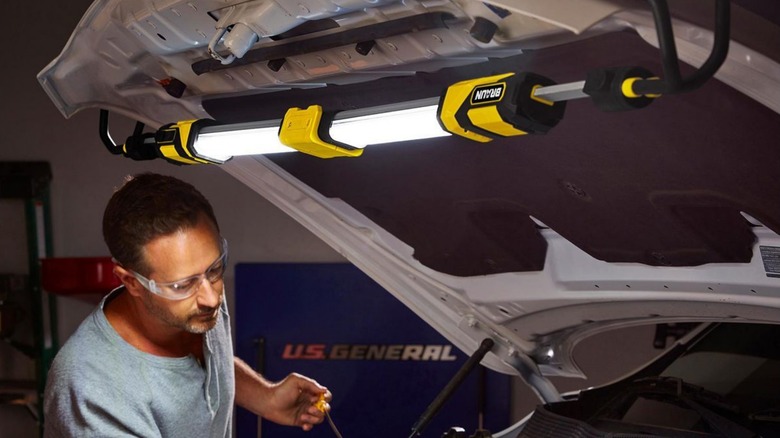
217, 270
186, 287
182, 286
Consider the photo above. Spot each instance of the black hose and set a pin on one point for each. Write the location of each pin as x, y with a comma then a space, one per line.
105, 137
139, 128
672, 81
663, 28
720, 47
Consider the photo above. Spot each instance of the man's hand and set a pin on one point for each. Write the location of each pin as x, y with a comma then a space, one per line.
293, 402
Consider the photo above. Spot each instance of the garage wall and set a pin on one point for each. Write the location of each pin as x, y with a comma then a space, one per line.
84, 175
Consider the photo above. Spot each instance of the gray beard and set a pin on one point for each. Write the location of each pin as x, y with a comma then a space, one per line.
189, 323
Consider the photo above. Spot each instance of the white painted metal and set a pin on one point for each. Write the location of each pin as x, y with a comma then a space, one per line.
527, 313
536, 318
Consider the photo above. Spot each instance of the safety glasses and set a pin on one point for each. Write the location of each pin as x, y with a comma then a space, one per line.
186, 287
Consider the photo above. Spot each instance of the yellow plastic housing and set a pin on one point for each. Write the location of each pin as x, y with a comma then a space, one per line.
300, 130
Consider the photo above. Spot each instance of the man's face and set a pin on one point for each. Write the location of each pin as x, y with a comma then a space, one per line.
181, 255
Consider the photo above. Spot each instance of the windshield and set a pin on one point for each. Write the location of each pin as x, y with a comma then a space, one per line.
724, 384
741, 362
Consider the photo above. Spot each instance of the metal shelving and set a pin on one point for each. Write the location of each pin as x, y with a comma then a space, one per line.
30, 182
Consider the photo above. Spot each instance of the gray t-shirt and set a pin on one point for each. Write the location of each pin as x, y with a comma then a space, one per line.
99, 385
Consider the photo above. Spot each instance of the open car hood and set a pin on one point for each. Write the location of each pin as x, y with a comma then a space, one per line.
665, 214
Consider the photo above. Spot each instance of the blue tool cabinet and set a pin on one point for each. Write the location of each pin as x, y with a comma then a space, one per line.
383, 364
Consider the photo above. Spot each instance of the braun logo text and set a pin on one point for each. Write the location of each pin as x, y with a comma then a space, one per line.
368, 352
488, 93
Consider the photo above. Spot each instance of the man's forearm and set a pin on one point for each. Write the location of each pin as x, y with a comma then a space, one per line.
251, 388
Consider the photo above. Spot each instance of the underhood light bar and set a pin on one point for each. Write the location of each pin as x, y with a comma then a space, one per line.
225, 141
388, 127
356, 128
481, 109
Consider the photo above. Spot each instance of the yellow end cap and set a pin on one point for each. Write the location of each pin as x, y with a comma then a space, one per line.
170, 153
455, 97
181, 133
488, 118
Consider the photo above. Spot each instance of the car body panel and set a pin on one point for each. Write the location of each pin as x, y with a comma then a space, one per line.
665, 214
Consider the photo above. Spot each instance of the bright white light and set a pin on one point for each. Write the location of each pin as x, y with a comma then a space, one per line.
225, 141
222, 145
401, 125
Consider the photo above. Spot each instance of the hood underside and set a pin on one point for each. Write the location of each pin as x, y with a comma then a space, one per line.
665, 214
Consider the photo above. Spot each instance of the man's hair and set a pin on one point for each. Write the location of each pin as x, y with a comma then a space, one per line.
146, 207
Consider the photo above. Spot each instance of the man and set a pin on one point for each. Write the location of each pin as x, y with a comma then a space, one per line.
155, 358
